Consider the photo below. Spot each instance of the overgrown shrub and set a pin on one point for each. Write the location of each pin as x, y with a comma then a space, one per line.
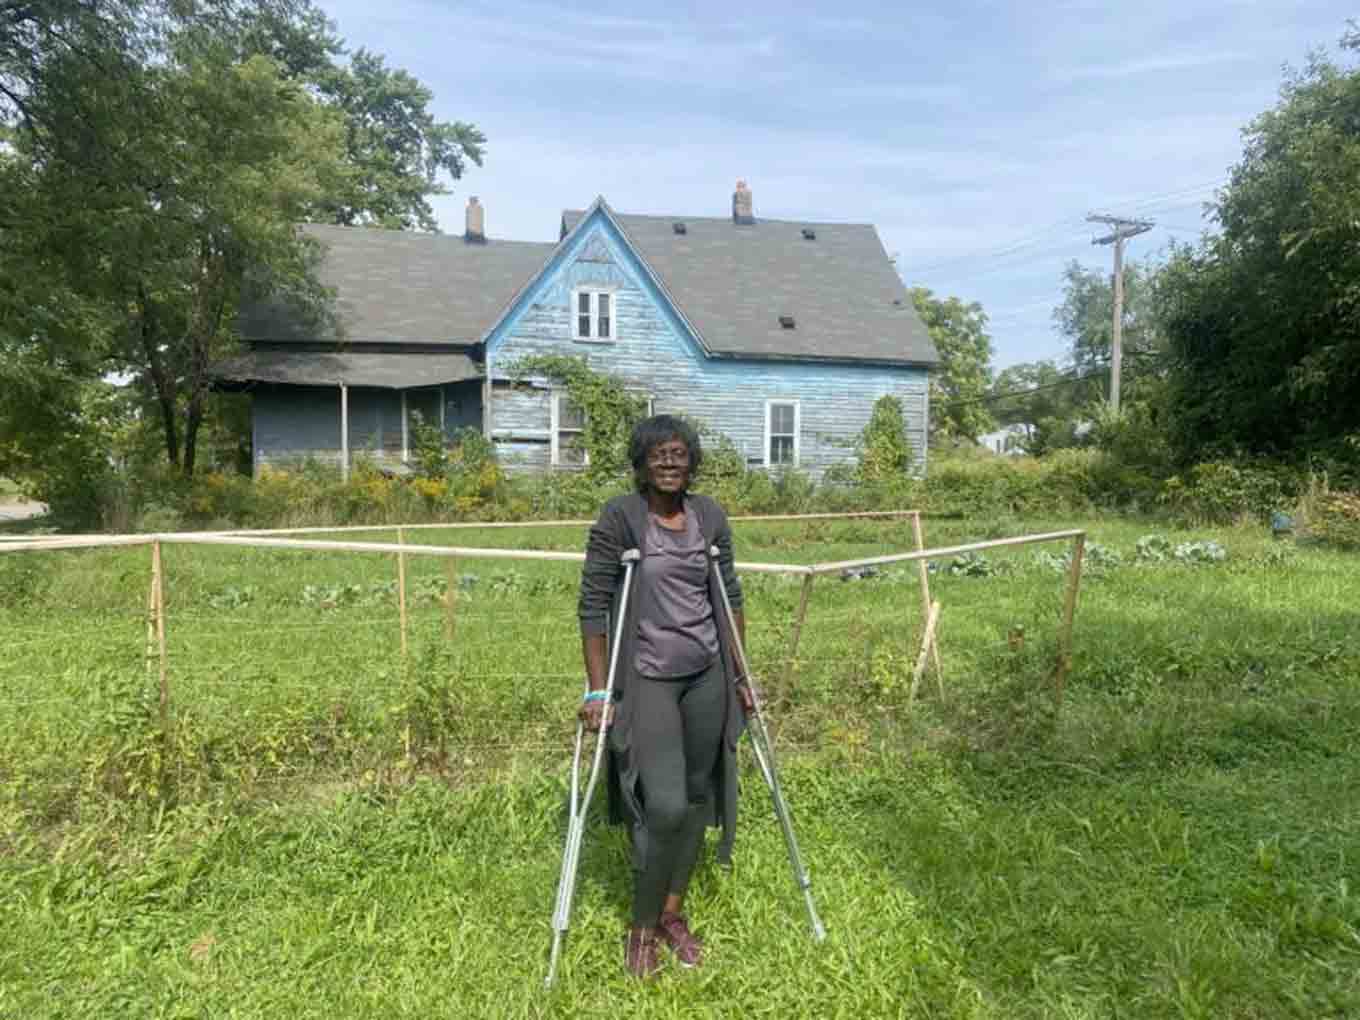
1221, 492
1334, 518
884, 450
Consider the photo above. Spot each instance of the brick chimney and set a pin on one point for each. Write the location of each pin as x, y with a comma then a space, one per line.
741, 205
475, 232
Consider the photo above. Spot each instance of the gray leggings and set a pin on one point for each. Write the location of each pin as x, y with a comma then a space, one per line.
677, 733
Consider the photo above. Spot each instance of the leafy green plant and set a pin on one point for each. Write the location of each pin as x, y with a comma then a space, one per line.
884, 449
1152, 549
610, 409
1201, 552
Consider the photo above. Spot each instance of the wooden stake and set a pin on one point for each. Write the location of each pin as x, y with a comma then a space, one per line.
151, 614
450, 598
790, 664
401, 588
927, 643
920, 535
1069, 611
158, 600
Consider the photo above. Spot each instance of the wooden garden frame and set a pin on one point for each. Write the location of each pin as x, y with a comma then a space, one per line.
930, 609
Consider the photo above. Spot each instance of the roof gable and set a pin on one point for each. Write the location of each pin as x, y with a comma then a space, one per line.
595, 236
733, 283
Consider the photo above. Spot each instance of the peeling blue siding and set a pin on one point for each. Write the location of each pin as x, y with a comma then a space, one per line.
655, 352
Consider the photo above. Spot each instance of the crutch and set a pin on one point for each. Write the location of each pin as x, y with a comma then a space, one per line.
578, 806
764, 750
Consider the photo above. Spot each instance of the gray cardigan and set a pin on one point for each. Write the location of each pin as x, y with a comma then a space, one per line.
622, 525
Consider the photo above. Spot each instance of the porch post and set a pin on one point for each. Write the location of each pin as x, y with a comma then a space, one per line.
405, 439
344, 432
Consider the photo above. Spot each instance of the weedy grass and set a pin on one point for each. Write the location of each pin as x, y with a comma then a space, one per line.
319, 827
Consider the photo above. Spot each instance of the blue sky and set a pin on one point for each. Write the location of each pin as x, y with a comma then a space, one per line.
976, 136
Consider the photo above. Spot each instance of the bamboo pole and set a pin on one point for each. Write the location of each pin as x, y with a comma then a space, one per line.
451, 598
158, 587
1069, 611
564, 523
151, 615
470, 552
790, 664
935, 554
927, 643
401, 588
919, 533
76, 542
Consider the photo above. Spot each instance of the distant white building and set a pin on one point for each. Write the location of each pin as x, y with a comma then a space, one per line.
1007, 442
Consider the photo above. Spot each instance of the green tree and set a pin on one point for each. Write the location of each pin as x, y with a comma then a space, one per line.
155, 157
1047, 400
1263, 318
1086, 319
958, 388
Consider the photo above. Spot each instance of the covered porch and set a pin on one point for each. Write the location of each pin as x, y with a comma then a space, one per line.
333, 406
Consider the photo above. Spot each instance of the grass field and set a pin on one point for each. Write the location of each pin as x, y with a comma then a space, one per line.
333, 831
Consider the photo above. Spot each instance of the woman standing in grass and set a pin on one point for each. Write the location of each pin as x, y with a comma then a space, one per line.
679, 704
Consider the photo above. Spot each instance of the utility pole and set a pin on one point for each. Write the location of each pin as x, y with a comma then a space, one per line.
1121, 229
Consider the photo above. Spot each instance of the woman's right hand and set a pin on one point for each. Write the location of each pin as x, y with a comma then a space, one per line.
593, 715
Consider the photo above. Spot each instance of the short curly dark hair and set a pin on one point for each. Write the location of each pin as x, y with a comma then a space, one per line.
654, 431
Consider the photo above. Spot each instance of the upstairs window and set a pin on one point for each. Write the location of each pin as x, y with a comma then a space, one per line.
781, 433
593, 315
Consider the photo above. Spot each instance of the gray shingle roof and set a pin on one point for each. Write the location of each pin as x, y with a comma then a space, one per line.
354, 368
394, 286
734, 282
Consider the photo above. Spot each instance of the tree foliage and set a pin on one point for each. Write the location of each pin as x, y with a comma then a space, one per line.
958, 387
1263, 319
155, 158
1086, 319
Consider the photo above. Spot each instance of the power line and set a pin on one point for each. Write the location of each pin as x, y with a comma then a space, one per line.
1075, 374
1018, 245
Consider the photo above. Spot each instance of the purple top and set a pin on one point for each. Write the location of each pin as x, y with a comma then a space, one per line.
677, 634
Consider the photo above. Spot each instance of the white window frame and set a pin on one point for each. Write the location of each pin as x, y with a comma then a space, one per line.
594, 337
770, 405
555, 434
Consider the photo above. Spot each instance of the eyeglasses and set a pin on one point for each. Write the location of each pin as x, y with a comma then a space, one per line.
677, 457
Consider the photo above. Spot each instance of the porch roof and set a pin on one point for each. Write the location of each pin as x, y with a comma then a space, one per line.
353, 368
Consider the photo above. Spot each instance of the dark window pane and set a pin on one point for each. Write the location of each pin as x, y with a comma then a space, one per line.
569, 416
583, 325
781, 419
583, 303
781, 449
603, 327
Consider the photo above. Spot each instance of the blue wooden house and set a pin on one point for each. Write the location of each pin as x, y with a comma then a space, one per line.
779, 334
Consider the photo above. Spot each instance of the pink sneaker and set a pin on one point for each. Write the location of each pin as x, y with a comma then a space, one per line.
673, 929
639, 955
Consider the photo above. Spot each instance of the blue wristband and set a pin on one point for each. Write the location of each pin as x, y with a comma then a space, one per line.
596, 696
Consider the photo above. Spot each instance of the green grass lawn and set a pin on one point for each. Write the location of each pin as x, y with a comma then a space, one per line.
334, 831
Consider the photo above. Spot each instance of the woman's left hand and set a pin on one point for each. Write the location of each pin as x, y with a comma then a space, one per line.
744, 695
